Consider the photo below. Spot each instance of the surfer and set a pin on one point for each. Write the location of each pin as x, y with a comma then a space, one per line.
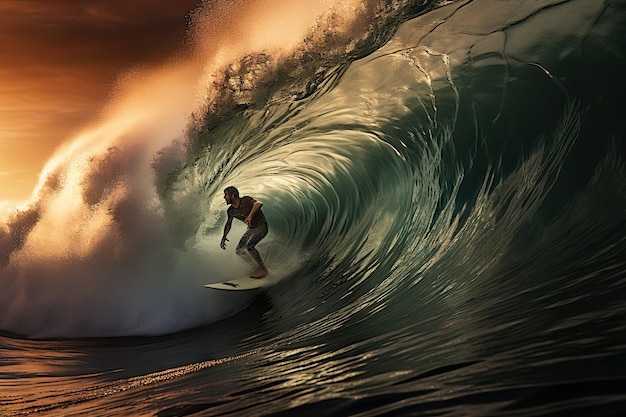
248, 210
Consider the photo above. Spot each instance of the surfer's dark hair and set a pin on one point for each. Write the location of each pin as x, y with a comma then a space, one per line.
232, 191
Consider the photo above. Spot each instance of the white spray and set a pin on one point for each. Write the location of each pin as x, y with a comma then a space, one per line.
94, 253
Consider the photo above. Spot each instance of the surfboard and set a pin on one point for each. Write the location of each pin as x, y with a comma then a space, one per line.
242, 284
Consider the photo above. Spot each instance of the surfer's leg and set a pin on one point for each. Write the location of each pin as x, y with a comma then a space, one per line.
241, 249
258, 233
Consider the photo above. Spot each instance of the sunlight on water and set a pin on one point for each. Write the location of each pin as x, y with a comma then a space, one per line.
98, 225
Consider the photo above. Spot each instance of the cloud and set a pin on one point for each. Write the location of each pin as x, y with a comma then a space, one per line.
9, 173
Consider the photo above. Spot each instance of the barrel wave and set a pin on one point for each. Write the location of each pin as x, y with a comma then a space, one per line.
446, 193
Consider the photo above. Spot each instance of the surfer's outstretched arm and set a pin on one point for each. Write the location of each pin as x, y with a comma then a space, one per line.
227, 227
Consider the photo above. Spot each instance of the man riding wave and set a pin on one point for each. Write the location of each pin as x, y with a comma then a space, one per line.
248, 210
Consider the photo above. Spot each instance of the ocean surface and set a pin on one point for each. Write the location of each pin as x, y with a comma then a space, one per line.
445, 184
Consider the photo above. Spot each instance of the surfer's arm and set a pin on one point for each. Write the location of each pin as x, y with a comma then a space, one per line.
227, 227
255, 207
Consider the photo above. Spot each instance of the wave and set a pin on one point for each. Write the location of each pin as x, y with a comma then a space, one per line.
400, 158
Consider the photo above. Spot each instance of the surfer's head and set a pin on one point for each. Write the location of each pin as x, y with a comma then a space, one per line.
232, 191
231, 194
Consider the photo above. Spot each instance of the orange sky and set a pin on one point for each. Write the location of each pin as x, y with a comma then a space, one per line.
58, 62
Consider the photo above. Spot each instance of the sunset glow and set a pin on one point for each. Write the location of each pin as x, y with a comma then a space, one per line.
60, 62
64, 62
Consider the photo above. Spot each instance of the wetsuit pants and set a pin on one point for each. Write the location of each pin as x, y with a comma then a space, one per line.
248, 241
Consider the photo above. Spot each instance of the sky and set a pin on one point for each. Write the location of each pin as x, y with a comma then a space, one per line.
59, 63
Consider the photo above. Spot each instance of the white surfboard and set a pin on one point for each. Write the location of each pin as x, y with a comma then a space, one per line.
242, 284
